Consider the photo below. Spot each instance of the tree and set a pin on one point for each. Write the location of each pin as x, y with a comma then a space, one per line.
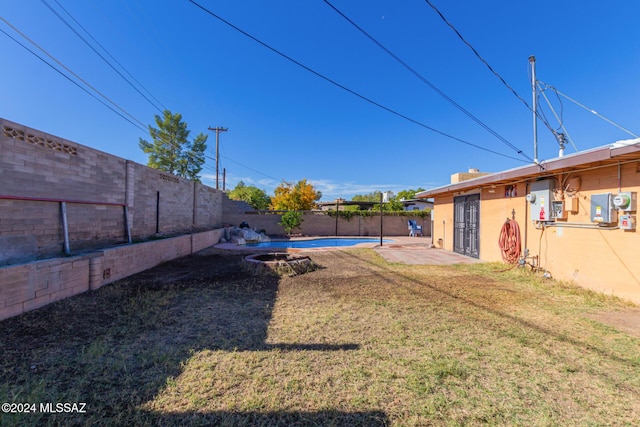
409, 194
299, 196
254, 196
371, 197
171, 151
394, 203
291, 220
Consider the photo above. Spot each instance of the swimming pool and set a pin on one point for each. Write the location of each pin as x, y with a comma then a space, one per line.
316, 243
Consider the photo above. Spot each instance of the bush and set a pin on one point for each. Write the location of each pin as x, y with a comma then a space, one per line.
291, 220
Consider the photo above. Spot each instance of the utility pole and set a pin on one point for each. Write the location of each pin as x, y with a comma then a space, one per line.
218, 130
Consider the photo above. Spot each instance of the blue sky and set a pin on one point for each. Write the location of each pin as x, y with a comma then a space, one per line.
286, 123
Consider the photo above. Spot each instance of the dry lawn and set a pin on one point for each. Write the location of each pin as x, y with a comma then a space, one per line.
358, 342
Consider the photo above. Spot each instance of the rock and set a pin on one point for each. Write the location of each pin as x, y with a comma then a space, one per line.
238, 240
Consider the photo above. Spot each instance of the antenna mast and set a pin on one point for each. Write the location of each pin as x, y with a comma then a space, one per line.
532, 61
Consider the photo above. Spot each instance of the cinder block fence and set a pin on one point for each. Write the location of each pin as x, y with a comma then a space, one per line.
73, 218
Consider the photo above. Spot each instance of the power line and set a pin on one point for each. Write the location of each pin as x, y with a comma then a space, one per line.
333, 82
71, 71
446, 21
139, 124
96, 51
589, 109
495, 73
251, 169
107, 52
559, 136
428, 83
70, 79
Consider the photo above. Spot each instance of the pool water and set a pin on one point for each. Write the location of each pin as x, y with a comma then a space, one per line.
316, 243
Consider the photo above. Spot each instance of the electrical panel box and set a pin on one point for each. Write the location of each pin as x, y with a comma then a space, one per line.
602, 209
540, 197
626, 201
627, 222
557, 210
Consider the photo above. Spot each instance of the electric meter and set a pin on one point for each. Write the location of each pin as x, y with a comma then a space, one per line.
625, 201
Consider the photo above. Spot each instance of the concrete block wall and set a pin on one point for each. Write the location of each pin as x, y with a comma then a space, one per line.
208, 206
171, 204
36, 165
123, 261
43, 165
321, 224
28, 286
165, 201
200, 241
35, 227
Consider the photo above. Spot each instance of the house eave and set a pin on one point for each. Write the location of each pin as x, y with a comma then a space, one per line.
610, 154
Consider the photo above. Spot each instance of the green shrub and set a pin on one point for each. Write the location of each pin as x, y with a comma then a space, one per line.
291, 220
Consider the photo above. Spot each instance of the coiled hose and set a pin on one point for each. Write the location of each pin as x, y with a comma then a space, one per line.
509, 241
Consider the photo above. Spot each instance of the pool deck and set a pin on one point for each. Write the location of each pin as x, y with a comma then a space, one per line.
403, 249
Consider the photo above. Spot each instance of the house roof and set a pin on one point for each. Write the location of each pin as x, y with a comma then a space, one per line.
621, 151
413, 201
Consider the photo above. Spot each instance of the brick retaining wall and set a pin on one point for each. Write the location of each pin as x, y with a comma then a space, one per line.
32, 285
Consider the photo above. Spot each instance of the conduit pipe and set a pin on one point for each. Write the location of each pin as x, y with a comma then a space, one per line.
63, 213
577, 225
65, 227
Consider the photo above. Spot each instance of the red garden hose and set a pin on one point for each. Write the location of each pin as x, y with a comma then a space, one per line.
509, 241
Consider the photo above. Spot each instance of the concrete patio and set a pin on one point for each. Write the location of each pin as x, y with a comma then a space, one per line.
417, 250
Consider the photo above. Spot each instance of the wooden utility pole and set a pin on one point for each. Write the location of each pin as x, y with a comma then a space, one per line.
218, 130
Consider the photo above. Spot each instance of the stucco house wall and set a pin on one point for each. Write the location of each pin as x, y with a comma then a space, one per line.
602, 258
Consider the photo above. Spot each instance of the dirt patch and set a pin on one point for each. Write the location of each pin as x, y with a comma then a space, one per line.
625, 320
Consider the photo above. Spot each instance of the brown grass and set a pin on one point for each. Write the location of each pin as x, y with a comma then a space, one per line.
357, 342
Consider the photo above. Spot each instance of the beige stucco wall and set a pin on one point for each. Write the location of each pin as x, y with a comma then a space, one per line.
600, 259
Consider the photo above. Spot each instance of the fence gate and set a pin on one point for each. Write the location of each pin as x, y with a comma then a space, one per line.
466, 229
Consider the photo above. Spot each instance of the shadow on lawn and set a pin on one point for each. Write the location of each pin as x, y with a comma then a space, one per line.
118, 347
401, 280
320, 418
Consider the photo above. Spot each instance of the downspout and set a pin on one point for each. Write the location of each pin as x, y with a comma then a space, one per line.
619, 178
65, 228
129, 197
